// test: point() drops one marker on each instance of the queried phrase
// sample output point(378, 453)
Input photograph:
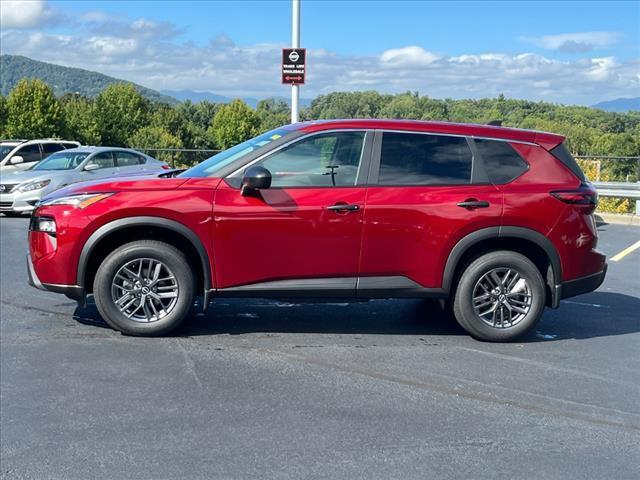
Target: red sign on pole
point(293, 65)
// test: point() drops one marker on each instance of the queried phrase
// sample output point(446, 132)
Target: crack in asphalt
point(465, 394)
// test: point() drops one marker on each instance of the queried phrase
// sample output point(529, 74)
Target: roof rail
point(495, 123)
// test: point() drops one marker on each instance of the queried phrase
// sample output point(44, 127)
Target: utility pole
point(295, 43)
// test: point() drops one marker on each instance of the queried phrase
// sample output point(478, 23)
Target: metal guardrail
point(620, 190)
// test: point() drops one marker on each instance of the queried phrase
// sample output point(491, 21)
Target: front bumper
point(74, 292)
point(19, 202)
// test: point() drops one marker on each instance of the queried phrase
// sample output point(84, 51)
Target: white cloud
point(21, 13)
point(576, 42)
point(152, 54)
point(408, 56)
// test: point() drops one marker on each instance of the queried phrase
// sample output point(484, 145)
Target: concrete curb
point(617, 218)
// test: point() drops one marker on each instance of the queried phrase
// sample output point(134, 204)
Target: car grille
point(6, 205)
point(7, 187)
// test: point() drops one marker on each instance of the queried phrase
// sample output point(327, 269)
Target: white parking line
point(586, 304)
point(625, 252)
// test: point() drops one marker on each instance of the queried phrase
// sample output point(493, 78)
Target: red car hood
point(119, 185)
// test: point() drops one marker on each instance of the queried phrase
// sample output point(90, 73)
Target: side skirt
point(342, 287)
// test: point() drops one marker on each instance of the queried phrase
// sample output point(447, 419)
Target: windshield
point(211, 165)
point(62, 161)
point(4, 149)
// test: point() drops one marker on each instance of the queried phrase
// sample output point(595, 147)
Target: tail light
point(585, 197)
point(166, 167)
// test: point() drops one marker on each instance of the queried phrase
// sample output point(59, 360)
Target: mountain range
point(89, 83)
point(199, 96)
point(86, 82)
point(619, 105)
point(63, 79)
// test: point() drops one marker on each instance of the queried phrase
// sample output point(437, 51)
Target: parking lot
point(382, 389)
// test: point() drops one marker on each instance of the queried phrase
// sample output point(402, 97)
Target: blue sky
point(372, 26)
point(568, 52)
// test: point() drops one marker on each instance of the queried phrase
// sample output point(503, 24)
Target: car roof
point(36, 140)
point(547, 140)
point(93, 149)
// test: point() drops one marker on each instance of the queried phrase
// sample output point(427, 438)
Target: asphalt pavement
point(271, 389)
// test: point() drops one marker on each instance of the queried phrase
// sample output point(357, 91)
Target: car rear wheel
point(500, 296)
point(144, 288)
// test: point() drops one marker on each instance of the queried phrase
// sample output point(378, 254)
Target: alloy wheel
point(502, 297)
point(144, 290)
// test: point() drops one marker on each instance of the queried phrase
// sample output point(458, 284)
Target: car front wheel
point(144, 288)
point(500, 296)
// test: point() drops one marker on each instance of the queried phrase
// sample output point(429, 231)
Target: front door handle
point(343, 207)
point(471, 203)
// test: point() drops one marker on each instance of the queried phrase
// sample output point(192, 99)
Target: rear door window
point(128, 159)
point(49, 148)
point(501, 162)
point(30, 153)
point(424, 159)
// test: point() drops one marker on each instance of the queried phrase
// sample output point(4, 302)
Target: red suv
point(496, 220)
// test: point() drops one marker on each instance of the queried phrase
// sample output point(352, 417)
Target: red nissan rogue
point(497, 221)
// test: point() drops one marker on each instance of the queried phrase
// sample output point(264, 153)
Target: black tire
point(171, 258)
point(463, 304)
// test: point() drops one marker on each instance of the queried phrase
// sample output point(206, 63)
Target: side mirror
point(255, 178)
point(89, 167)
point(16, 159)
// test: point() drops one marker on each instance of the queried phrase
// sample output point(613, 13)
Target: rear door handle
point(343, 207)
point(472, 203)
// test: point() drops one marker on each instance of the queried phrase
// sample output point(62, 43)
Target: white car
point(21, 191)
point(16, 155)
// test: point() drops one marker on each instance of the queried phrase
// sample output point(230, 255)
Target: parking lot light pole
point(295, 43)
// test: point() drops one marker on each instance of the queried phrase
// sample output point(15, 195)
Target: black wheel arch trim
point(473, 238)
point(121, 223)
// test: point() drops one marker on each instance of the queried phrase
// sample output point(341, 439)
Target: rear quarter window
point(501, 162)
point(562, 153)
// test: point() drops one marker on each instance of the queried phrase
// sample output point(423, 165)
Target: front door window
point(324, 160)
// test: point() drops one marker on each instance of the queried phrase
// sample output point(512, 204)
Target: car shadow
point(598, 314)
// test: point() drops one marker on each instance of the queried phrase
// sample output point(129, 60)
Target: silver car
point(20, 191)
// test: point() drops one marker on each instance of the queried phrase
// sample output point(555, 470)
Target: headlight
point(28, 187)
point(80, 201)
point(46, 224)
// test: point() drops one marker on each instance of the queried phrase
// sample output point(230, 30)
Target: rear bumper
point(581, 285)
point(75, 292)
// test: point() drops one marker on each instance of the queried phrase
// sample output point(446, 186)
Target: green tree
point(120, 112)
point(3, 115)
point(367, 104)
point(234, 123)
point(405, 106)
point(33, 111)
point(171, 119)
point(80, 119)
point(273, 113)
point(198, 117)
point(154, 137)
